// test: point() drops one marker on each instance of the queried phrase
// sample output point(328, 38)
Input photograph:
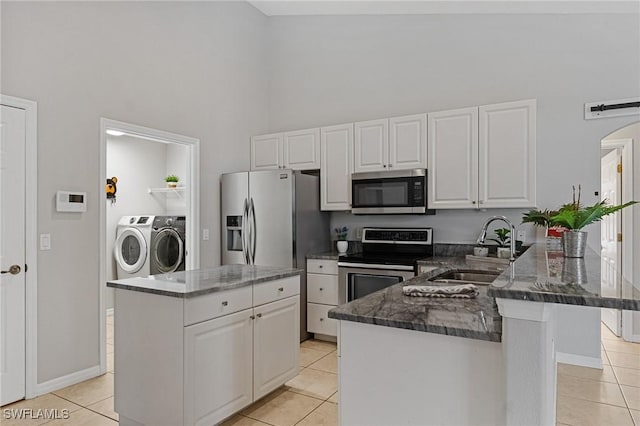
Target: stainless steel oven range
point(388, 256)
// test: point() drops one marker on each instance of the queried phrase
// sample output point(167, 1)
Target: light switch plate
point(205, 235)
point(45, 241)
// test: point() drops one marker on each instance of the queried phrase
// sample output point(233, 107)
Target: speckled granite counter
point(186, 284)
point(473, 318)
point(547, 276)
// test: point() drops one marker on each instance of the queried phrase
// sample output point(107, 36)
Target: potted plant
point(341, 236)
point(542, 219)
point(504, 241)
point(573, 217)
point(172, 181)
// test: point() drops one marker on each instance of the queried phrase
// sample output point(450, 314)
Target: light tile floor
point(586, 396)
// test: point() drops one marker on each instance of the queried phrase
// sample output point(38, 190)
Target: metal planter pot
point(574, 243)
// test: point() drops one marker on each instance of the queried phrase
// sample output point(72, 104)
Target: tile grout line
point(624, 397)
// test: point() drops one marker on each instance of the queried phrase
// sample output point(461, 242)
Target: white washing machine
point(131, 250)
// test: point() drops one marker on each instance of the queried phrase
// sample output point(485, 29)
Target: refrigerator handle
point(254, 231)
point(245, 230)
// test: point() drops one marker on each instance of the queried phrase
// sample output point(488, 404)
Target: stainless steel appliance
point(397, 192)
point(273, 218)
point(389, 256)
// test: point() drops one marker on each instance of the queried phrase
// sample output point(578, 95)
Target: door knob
point(13, 270)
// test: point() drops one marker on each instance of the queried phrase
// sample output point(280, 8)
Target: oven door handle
point(373, 266)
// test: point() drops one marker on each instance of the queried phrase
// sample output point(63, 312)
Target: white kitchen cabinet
point(296, 150)
point(371, 146)
point(507, 154)
point(266, 152)
point(453, 159)
point(276, 343)
point(322, 296)
point(218, 368)
point(408, 142)
point(336, 166)
point(391, 144)
point(483, 157)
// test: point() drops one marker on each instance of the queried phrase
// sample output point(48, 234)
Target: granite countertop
point(476, 318)
point(547, 276)
point(187, 284)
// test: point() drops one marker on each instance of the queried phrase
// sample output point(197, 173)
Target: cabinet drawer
point(318, 320)
point(322, 266)
point(322, 289)
point(275, 290)
point(214, 305)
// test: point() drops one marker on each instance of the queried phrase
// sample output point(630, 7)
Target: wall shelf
point(177, 191)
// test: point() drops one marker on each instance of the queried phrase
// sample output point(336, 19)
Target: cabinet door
point(453, 159)
point(408, 142)
point(276, 342)
point(218, 368)
point(336, 149)
point(266, 152)
point(372, 145)
point(507, 151)
point(301, 149)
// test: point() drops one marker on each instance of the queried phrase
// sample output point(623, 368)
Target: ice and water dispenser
point(234, 233)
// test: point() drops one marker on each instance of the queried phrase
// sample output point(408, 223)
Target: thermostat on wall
point(68, 201)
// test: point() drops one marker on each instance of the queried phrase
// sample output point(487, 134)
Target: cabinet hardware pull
point(321, 289)
point(320, 266)
point(473, 202)
point(384, 165)
point(225, 303)
point(259, 315)
point(281, 289)
point(321, 319)
point(252, 317)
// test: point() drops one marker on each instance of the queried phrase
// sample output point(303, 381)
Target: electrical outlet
point(521, 235)
point(45, 241)
point(205, 235)
point(358, 233)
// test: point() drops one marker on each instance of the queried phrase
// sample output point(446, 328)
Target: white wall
point(192, 68)
point(329, 70)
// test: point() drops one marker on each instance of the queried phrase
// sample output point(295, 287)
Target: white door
point(218, 368)
point(453, 159)
point(276, 343)
point(408, 142)
point(336, 150)
point(301, 149)
point(371, 145)
point(507, 155)
point(12, 254)
point(266, 152)
point(611, 225)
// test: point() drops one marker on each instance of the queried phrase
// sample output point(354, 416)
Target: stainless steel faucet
point(512, 234)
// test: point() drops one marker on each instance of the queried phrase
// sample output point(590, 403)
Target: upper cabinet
point(483, 157)
point(507, 154)
point(336, 167)
point(297, 150)
point(391, 144)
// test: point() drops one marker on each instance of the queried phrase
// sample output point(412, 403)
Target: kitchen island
point(195, 347)
point(407, 360)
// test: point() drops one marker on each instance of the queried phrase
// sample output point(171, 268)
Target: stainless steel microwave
point(392, 192)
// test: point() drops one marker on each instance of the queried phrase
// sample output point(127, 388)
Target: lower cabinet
point(239, 358)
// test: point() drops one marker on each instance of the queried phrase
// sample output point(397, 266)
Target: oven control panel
point(421, 236)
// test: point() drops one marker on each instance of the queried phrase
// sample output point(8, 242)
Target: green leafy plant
point(503, 239)
point(575, 216)
point(539, 217)
point(172, 178)
point(341, 233)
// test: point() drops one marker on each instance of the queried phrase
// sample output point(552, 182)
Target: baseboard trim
point(68, 380)
point(582, 361)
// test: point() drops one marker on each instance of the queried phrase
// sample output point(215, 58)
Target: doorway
point(619, 185)
point(135, 162)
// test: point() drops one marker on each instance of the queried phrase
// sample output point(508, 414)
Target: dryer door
point(130, 250)
point(167, 250)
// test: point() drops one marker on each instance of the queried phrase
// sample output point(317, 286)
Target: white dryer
point(131, 250)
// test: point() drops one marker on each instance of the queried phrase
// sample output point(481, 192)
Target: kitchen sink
point(466, 277)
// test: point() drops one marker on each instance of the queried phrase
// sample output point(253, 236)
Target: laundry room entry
point(140, 187)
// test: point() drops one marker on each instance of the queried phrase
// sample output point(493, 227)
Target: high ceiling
point(420, 7)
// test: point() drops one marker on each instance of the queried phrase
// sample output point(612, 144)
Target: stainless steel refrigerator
point(273, 218)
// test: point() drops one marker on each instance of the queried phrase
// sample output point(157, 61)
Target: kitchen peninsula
point(194, 347)
point(465, 361)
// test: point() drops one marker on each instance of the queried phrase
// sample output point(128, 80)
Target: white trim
point(192, 200)
point(628, 246)
point(68, 380)
point(31, 246)
point(110, 312)
point(582, 361)
point(525, 309)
